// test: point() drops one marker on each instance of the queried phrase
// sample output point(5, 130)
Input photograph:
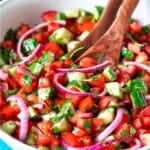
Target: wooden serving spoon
point(103, 24)
point(109, 45)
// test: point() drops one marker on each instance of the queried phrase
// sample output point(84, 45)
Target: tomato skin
point(86, 104)
point(45, 126)
point(8, 44)
point(99, 82)
point(87, 62)
point(49, 15)
point(96, 124)
point(137, 123)
point(71, 139)
point(22, 29)
point(2, 101)
point(146, 121)
point(109, 147)
point(124, 127)
point(79, 132)
point(54, 48)
point(86, 140)
point(135, 27)
point(43, 140)
point(105, 101)
point(32, 98)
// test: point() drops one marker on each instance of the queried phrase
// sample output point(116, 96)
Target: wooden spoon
point(103, 24)
point(109, 45)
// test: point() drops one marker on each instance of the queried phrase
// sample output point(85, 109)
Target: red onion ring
point(111, 127)
point(147, 97)
point(24, 117)
point(86, 70)
point(3, 75)
point(68, 91)
point(38, 49)
point(137, 64)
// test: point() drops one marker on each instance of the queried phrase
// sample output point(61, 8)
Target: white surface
point(14, 12)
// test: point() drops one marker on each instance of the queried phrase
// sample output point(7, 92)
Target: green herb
point(126, 53)
point(58, 148)
point(4, 56)
point(10, 92)
point(10, 34)
point(87, 125)
point(146, 28)
point(27, 80)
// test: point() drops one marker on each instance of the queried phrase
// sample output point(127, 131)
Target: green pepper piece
point(9, 127)
point(10, 92)
point(31, 137)
point(126, 53)
point(29, 45)
point(138, 99)
point(4, 56)
point(58, 148)
point(10, 34)
point(146, 28)
point(97, 12)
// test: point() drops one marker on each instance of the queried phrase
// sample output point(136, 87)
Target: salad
point(52, 103)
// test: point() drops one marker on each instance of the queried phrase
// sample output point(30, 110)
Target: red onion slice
point(24, 117)
point(111, 127)
point(68, 91)
point(137, 64)
point(25, 60)
point(86, 70)
point(85, 115)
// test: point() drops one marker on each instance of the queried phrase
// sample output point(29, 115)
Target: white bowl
point(14, 12)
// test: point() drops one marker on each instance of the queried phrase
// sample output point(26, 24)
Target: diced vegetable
point(83, 35)
point(9, 127)
point(33, 114)
point(126, 53)
point(60, 16)
point(27, 80)
point(46, 93)
point(49, 115)
point(114, 89)
point(72, 45)
point(72, 13)
point(109, 73)
point(4, 57)
point(32, 137)
point(43, 148)
point(146, 28)
point(61, 126)
point(10, 34)
point(10, 92)
point(61, 36)
point(77, 84)
point(97, 12)
point(58, 148)
point(138, 99)
point(78, 76)
point(35, 68)
point(107, 114)
point(47, 57)
point(137, 84)
point(29, 45)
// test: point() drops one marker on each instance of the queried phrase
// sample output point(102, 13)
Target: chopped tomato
point(52, 27)
point(109, 147)
point(86, 104)
point(86, 140)
point(96, 124)
point(122, 130)
point(79, 132)
point(44, 82)
point(2, 101)
point(22, 29)
point(146, 121)
point(137, 123)
point(45, 126)
point(41, 37)
point(99, 82)
point(71, 139)
point(49, 15)
point(86, 26)
point(135, 27)
point(32, 98)
point(104, 102)
point(55, 48)
point(44, 140)
point(12, 82)
point(87, 62)
point(9, 112)
point(8, 44)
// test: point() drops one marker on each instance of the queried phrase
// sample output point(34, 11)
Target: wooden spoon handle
point(123, 16)
point(103, 24)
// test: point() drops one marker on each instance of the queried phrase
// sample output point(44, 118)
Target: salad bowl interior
point(15, 12)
